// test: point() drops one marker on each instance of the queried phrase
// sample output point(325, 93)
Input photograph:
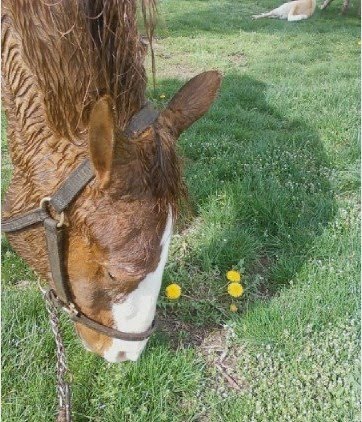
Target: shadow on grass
point(233, 16)
point(259, 187)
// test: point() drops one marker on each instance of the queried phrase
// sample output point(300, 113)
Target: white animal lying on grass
point(293, 11)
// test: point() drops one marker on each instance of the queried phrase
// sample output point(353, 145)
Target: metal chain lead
point(63, 388)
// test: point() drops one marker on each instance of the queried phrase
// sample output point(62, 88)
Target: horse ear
point(101, 139)
point(191, 102)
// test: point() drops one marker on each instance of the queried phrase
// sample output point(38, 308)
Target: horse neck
point(47, 84)
point(38, 155)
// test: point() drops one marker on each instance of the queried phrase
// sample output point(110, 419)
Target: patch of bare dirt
point(181, 334)
point(168, 66)
point(222, 359)
point(23, 284)
point(181, 71)
point(238, 59)
point(215, 345)
point(221, 354)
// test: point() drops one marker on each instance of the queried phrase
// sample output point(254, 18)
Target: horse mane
point(81, 50)
point(75, 51)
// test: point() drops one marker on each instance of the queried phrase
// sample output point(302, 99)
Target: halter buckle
point(44, 204)
point(70, 309)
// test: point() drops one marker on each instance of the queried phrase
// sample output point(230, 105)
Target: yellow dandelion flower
point(233, 276)
point(173, 291)
point(162, 96)
point(235, 289)
point(233, 308)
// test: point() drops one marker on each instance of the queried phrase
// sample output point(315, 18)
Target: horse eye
point(111, 276)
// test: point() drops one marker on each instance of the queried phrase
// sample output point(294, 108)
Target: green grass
point(274, 181)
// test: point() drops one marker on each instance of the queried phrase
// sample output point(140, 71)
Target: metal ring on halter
point(43, 204)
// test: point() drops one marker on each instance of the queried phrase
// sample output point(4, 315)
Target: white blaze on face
point(135, 314)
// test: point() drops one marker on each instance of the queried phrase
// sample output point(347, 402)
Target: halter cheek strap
point(54, 234)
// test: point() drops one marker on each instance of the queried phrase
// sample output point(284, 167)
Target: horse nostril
point(121, 357)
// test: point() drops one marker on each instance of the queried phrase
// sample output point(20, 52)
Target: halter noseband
point(54, 234)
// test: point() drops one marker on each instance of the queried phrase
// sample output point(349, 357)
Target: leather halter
point(54, 233)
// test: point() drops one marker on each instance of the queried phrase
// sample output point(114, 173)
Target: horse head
point(119, 228)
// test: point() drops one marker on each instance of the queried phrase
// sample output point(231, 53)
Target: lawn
point(273, 181)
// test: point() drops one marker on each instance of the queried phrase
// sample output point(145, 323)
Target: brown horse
point(73, 85)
